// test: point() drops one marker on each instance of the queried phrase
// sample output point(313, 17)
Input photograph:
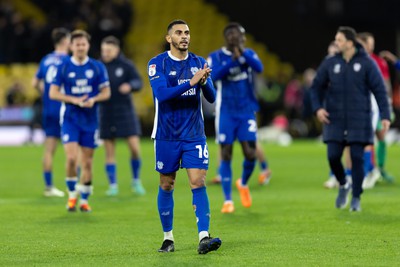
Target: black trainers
point(208, 244)
point(167, 246)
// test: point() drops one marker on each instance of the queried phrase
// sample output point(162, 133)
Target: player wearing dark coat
point(118, 117)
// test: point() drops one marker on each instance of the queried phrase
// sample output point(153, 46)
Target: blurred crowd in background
point(21, 41)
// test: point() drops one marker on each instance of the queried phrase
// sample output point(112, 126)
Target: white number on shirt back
point(202, 152)
point(51, 73)
point(252, 126)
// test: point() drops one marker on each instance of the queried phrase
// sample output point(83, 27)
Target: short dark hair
point(58, 34)
point(80, 33)
point(235, 25)
point(175, 22)
point(363, 36)
point(349, 33)
point(111, 40)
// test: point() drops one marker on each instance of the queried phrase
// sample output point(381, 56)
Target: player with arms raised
point(178, 78)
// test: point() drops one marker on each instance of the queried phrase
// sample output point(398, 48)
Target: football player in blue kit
point(234, 67)
point(178, 78)
point(51, 109)
point(85, 82)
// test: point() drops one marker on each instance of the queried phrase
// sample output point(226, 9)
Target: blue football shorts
point(51, 126)
point(71, 132)
point(232, 126)
point(172, 155)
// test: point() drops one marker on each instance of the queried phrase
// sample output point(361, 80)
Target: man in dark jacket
point(118, 118)
point(341, 99)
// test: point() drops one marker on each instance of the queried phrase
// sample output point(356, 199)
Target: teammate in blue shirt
point(234, 67)
point(51, 109)
point(85, 82)
point(118, 118)
point(178, 78)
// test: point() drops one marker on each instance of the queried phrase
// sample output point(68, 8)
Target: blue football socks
point(165, 203)
point(248, 167)
point(135, 167)
point(263, 165)
point(226, 178)
point(111, 170)
point(48, 178)
point(201, 208)
point(367, 162)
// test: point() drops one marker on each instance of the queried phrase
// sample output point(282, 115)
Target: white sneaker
point(331, 182)
point(371, 179)
point(53, 192)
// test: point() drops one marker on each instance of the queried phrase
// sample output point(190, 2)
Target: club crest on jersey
point(89, 74)
point(71, 75)
point(336, 68)
point(152, 70)
point(357, 67)
point(119, 72)
point(194, 70)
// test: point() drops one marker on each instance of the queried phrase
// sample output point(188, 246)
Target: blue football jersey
point(46, 72)
point(234, 80)
point(87, 78)
point(178, 111)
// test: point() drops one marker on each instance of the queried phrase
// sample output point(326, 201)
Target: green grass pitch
point(292, 222)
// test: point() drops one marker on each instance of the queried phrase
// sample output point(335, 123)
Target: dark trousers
point(335, 151)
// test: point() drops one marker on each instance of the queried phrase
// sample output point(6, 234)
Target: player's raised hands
point(198, 76)
point(206, 75)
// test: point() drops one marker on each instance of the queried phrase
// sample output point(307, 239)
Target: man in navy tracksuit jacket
point(118, 118)
point(341, 99)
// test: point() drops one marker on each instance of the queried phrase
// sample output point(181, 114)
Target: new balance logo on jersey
point(172, 73)
point(205, 161)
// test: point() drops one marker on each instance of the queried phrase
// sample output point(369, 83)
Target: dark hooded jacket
point(344, 90)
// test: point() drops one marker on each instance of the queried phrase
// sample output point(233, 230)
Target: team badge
point(152, 69)
point(89, 74)
point(71, 75)
point(336, 68)
point(65, 137)
point(160, 164)
point(222, 137)
point(119, 72)
point(357, 67)
point(194, 70)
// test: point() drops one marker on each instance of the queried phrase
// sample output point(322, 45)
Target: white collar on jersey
point(175, 58)
point(226, 51)
point(79, 63)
